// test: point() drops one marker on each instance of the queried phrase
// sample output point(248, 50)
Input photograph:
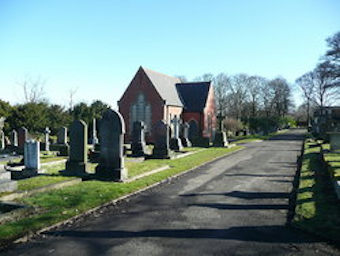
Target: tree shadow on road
point(244, 195)
point(265, 234)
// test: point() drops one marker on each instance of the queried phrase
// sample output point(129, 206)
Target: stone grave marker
point(175, 142)
point(220, 139)
point(111, 132)
point(62, 136)
point(334, 139)
point(185, 135)
point(47, 139)
point(76, 164)
point(14, 138)
point(138, 139)
point(6, 184)
point(94, 138)
point(2, 140)
point(161, 148)
point(22, 137)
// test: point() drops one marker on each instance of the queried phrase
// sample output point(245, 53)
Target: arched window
point(140, 111)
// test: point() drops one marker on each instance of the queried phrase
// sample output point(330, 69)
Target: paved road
point(235, 206)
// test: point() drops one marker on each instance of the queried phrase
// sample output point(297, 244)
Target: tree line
point(38, 114)
point(321, 86)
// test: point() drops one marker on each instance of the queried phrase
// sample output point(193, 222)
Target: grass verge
point(317, 208)
point(59, 205)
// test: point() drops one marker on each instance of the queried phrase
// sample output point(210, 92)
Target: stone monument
point(14, 138)
point(31, 160)
point(2, 134)
point(76, 164)
point(2, 140)
point(220, 139)
point(47, 139)
point(6, 184)
point(111, 132)
point(185, 135)
point(22, 137)
point(138, 139)
point(334, 139)
point(63, 146)
point(62, 136)
point(175, 141)
point(161, 148)
point(94, 138)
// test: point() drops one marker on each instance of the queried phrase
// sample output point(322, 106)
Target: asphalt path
point(237, 205)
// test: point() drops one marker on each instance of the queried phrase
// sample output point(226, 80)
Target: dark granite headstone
point(111, 132)
point(62, 136)
point(138, 139)
point(77, 163)
point(22, 137)
point(185, 135)
point(161, 148)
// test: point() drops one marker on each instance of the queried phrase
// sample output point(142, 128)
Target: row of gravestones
point(111, 132)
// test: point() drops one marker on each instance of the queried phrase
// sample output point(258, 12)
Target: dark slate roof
point(165, 85)
point(193, 95)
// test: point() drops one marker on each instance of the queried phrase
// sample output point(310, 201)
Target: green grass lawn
point(61, 204)
point(317, 208)
point(333, 160)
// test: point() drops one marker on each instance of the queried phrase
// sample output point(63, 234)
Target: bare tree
point(238, 94)
point(324, 94)
point(254, 89)
point(221, 85)
point(72, 92)
point(182, 78)
point(205, 77)
point(307, 86)
point(34, 91)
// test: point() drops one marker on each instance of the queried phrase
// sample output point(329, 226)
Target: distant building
point(152, 96)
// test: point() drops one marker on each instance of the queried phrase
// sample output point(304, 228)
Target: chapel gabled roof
point(165, 86)
point(193, 95)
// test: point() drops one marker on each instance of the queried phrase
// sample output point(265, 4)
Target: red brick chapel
point(152, 96)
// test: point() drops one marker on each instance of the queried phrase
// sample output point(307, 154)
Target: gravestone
point(175, 141)
point(31, 160)
point(47, 139)
point(193, 130)
point(220, 139)
point(161, 148)
point(63, 146)
point(6, 184)
point(14, 138)
point(22, 137)
point(111, 132)
point(2, 134)
point(334, 139)
point(94, 138)
point(2, 140)
point(76, 164)
point(185, 135)
point(62, 136)
point(138, 139)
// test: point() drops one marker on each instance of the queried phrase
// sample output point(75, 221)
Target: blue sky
point(97, 46)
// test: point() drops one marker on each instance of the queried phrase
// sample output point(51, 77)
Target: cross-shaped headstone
point(47, 132)
point(176, 122)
